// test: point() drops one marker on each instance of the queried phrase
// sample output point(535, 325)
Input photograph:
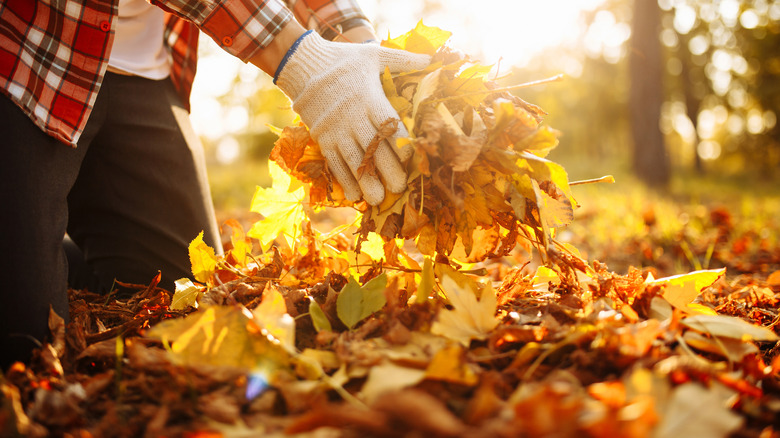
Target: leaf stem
point(604, 179)
point(556, 78)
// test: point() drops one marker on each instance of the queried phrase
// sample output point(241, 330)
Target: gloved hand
point(337, 91)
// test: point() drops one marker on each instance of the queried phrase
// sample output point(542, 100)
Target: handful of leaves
point(478, 181)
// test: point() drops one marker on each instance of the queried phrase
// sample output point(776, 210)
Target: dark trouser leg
point(142, 194)
point(36, 174)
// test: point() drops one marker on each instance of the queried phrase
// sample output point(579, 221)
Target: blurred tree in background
point(721, 95)
point(645, 65)
point(723, 69)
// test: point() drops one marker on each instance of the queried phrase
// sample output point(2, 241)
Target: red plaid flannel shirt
point(53, 55)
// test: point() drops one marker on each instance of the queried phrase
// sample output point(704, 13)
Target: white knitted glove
point(337, 91)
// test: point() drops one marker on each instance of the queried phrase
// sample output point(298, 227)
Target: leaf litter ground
point(456, 312)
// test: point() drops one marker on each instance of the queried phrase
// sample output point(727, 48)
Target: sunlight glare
point(511, 30)
point(708, 150)
point(228, 150)
point(502, 33)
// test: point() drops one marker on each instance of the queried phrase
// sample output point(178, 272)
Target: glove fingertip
point(405, 152)
point(374, 198)
point(401, 60)
point(352, 193)
point(397, 186)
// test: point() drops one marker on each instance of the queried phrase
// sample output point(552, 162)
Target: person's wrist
point(270, 57)
point(289, 54)
point(311, 58)
point(358, 34)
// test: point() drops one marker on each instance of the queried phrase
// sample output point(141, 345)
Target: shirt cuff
point(331, 33)
point(243, 31)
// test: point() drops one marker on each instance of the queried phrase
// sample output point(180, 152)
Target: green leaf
point(356, 303)
point(318, 317)
point(186, 294)
point(426, 281)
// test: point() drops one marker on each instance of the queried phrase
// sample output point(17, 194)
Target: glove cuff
point(307, 57)
point(289, 53)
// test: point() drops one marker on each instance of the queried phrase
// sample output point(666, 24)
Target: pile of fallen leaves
point(295, 331)
point(538, 355)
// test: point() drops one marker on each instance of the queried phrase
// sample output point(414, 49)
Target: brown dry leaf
point(13, 420)
point(389, 377)
point(732, 349)
point(290, 146)
point(729, 327)
point(57, 330)
point(220, 406)
point(407, 406)
point(694, 410)
point(343, 416)
point(549, 409)
point(774, 279)
point(385, 132)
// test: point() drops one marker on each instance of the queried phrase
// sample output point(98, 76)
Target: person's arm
point(335, 87)
point(269, 58)
point(360, 34)
point(333, 19)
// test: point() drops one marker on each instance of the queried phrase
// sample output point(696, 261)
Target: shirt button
point(227, 41)
point(105, 26)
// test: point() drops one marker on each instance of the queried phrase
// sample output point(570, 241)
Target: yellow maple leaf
point(470, 318)
point(221, 335)
point(471, 82)
point(421, 39)
point(282, 208)
point(272, 315)
point(681, 290)
point(186, 294)
point(242, 246)
point(203, 259)
point(449, 365)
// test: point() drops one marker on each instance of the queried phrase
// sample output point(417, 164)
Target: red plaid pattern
point(53, 55)
point(324, 15)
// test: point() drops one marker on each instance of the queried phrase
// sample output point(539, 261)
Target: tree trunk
point(651, 161)
point(689, 79)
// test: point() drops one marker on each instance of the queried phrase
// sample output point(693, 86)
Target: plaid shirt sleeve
point(52, 58)
point(240, 27)
point(243, 27)
point(53, 54)
point(328, 17)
